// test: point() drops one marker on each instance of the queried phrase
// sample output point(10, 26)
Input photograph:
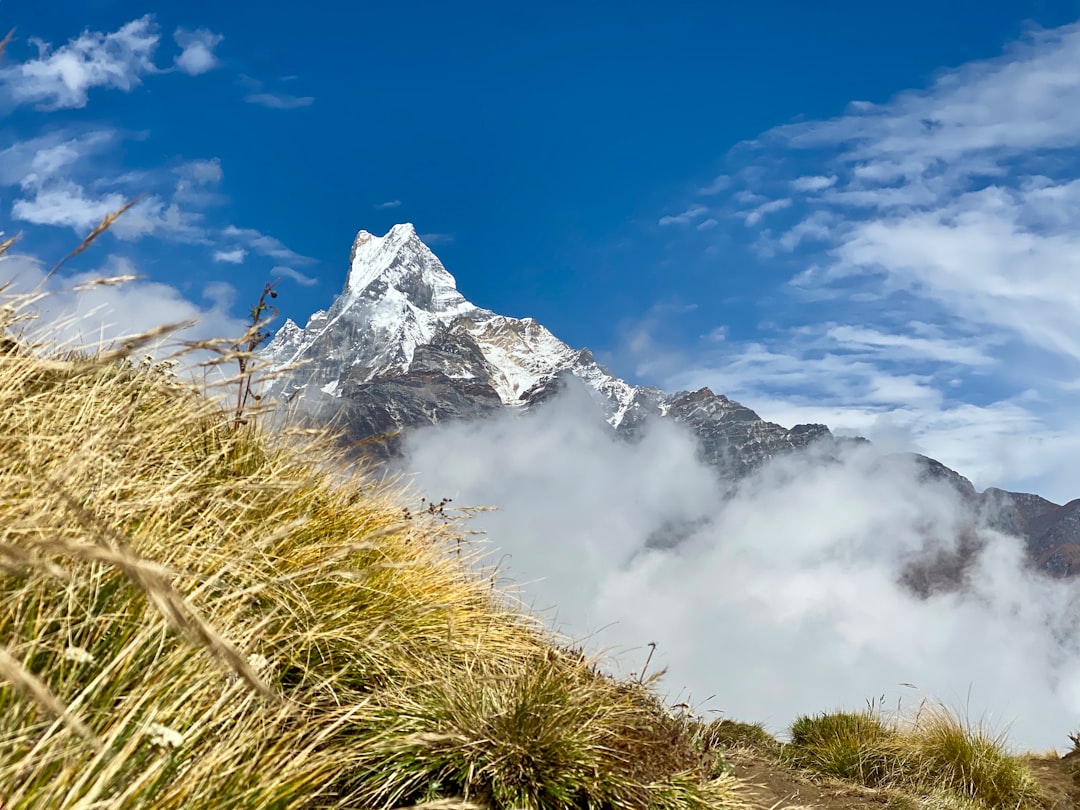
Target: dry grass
point(198, 616)
point(935, 761)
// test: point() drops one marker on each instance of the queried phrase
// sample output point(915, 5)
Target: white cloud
point(33, 162)
point(63, 184)
point(903, 388)
point(760, 212)
point(197, 186)
point(69, 205)
point(62, 77)
point(294, 275)
point(202, 172)
point(77, 312)
point(234, 256)
point(814, 182)
point(990, 256)
point(814, 227)
point(799, 571)
point(895, 346)
point(279, 101)
point(197, 54)
point(689, 215)
point(389, 204)
point(266, 245)
point(717, 185)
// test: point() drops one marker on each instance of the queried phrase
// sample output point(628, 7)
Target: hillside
point(196, 616)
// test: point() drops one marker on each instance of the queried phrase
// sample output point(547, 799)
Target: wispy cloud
point(201, 172)
point(66, 205)
point(62, 77)
point(1024, 101)
point(433, 239)
point(197, 50)
point(389, 204)
point(717, 185)
point(265, 245)
point(689, 215)
point(294, 275)
point(198, 184)
point(936, 237)
point(755, 216)
point(815, 182)
point(234, 256)
point(62, 183)
point(33, 162)
point(279, 101)
point(70, 205)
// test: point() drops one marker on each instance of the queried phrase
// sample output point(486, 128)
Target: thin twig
point(255, 337)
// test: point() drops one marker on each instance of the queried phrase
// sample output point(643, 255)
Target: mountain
point(401, 347)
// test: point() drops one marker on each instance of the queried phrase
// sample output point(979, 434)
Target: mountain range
point(400, 348)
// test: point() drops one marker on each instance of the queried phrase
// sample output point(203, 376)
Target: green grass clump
point(197, 615)
point(541, 736)
point(854, 746)
point(938, 759)
point(969, 761)
point(737, 734)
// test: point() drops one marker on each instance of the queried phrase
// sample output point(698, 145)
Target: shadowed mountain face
point(401, 348)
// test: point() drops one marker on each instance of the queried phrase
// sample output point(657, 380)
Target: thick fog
point(785, 597)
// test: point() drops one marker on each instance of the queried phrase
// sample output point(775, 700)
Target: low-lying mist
point(784, 598)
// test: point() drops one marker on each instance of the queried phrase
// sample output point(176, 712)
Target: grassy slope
point(197, 617)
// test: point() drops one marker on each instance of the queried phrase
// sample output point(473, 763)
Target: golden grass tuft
point(195, 615)
point(937, 760)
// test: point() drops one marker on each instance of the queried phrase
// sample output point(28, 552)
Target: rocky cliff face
point(401, 347)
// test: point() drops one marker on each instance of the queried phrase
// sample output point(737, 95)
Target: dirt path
point(771, 786)
point(1060, 780)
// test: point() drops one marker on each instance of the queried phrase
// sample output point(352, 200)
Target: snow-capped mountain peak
point(397, 298)
point(400, 260)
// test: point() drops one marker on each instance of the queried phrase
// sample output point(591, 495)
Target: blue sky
point(863, 214)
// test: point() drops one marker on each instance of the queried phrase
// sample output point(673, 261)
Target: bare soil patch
point(770, 785)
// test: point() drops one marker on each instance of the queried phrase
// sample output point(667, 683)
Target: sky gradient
point(862, 214)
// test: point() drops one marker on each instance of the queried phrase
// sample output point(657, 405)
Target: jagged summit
point(397, 296)
point(400, 261)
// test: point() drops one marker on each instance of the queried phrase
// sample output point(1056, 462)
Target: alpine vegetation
point(197, 614)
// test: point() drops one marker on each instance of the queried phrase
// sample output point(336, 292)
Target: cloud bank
point(781, 600)
point(76, 310)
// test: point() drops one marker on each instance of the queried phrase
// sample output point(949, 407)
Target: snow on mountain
point(397, 297)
